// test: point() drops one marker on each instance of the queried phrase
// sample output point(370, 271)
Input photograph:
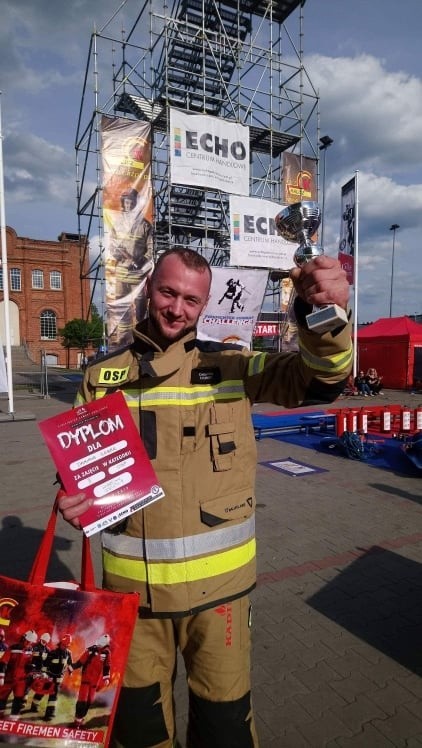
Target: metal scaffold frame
point(234, 60)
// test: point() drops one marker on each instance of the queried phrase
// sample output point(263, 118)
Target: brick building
point(45, 292)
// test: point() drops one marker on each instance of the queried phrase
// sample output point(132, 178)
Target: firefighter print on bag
point(59, 670)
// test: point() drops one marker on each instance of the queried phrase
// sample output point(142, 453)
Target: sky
point(363, 58)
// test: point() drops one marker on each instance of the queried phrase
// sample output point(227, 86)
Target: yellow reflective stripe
point(182, 396)
point(256, 364)
point(335, 363)
point(185, 571)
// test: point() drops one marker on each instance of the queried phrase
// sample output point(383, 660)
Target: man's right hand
point(72, 507)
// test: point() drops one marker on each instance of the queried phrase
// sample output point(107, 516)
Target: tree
point(80, 333)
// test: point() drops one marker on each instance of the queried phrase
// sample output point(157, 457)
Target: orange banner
point(128, 217)
point(299, 178)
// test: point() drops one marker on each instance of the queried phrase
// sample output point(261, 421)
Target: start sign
point(266, 329)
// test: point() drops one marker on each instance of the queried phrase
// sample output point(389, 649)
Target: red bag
point(63, 652)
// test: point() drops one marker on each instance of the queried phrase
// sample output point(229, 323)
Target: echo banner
point(235, 302)
point(254, 240)
point(127, 217)
point(347, 229)
point(299, 178)
point(209, 152)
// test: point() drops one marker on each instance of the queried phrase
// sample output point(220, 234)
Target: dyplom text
point(88, 432)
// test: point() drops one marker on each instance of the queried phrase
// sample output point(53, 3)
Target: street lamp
point(325, 143)
point(393, 228)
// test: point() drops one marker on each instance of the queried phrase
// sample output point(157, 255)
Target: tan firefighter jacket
point(195, 548)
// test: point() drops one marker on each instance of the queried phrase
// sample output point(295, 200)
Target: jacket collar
point(153, 361)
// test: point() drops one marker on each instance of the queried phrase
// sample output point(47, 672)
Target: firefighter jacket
point(195, 547)
point(96, 665)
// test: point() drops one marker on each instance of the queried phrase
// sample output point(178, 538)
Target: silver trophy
point(298, 222)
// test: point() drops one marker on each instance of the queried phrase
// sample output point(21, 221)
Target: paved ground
point(337, 653)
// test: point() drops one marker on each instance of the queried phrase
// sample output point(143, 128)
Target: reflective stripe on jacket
point(196, 546)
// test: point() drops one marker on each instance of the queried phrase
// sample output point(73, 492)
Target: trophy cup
point(298, 222)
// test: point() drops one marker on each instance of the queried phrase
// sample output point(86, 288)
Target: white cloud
point(373, 115)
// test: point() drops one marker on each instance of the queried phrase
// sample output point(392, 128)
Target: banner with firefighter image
point(299, 178)
point(235, 301)
point(128, 220)
point(62, 655)
point(346, 249)
point(288, 329)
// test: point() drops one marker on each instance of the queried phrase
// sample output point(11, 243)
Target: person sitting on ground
point(374, 381)
point(361, 384)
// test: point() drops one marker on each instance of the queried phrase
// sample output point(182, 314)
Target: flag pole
point(5, 275)
point(356, 280)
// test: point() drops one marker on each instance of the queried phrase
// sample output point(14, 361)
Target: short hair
point(189, 257)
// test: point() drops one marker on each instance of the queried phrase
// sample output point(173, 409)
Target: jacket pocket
point(237, 505)
point(221, 431)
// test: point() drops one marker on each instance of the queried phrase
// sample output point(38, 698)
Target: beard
point(160, 337)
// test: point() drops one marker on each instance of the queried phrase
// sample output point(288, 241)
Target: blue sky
point(364, 59)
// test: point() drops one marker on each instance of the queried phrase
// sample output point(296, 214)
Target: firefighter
point(38, 680)
point(57, 665)
point(96, 666)
point(130, 249)
point(15, 668)
point(191, 555)
point(3, 643)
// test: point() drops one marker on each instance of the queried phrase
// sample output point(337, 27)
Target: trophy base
point(326, 318)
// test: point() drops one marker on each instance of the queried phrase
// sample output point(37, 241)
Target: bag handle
point(39, 568)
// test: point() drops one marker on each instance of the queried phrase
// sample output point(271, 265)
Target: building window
point(37, 279)
point(15, 279)
point(48, 323)
point(56, 280)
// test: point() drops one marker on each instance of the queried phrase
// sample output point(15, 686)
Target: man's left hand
point(321, 281)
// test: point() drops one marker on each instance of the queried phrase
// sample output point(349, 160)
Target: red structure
point(393, 346)
point(45, 292)
point(383, 419)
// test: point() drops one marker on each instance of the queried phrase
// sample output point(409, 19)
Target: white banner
point(254, 241)
point(209, 152)
point(235, 302)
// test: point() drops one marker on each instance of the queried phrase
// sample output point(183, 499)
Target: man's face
point(177, 296)
point(127, 204)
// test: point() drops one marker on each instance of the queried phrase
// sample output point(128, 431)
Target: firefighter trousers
point(215, 645)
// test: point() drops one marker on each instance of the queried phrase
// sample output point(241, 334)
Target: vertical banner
point(346, 253)
point(254, 239)
point(288, 329)
point(235, 302)
point(286, 291)
point(128, 217)
point(209, 152)
point(299, 178)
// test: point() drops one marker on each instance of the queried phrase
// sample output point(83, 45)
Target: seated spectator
point(350, 388)
point(361, 384)
point(374, 380)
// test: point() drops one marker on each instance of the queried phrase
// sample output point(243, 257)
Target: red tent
point(393, 346)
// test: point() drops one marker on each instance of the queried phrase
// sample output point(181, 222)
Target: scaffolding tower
point(234, 59)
